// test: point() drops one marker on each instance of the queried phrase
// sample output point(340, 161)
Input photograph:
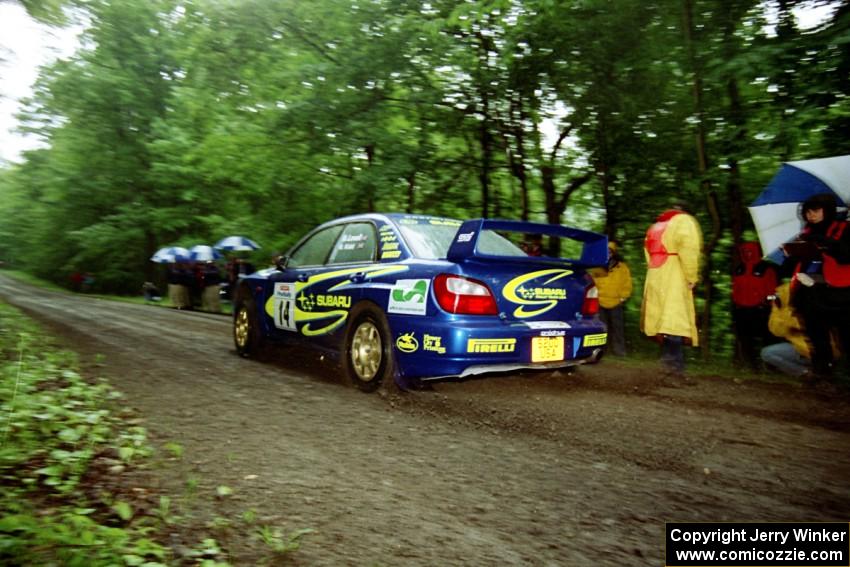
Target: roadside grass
point(56, 430)
point(62, 454)
point(30, 279)
point(644, 354)
point(73, 466)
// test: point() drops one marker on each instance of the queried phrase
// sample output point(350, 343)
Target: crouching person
point(792, 357)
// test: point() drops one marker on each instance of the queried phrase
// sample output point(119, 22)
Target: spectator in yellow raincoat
point(794, 356)
point(672, 248)
point(615, 287)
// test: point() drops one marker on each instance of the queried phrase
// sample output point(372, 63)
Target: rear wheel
point(368, 360)
point(247, 335)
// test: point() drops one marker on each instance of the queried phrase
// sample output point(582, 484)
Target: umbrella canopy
point(204, 253)
point(774, 212)
point(236, 244)
point(170, 254)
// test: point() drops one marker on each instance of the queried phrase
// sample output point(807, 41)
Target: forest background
point(178, 122)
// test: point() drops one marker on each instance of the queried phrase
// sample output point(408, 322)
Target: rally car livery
point(413, 298)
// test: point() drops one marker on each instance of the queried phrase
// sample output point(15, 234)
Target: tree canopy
point(182, 121)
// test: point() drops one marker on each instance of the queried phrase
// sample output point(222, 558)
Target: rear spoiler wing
point(594, 244)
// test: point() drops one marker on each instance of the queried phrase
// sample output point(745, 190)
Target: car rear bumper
point(430, 349)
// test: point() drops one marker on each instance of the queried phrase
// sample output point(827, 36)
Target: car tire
point(367, 351)
point(247, 335)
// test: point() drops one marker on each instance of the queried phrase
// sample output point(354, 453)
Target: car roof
point(393, 217)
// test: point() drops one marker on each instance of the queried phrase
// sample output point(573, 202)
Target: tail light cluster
point(468, 296)
point(464, 296)
point(590, 305)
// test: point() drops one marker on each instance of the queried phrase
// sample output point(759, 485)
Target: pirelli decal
point(595, 340)
point(491, 345)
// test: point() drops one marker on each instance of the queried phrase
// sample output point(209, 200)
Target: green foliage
point(55, 425)
point(176, 449)
point(58, 443)
point(47, 11)
point(281, 543)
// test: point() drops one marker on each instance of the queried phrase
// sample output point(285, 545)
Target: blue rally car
point(412, 298)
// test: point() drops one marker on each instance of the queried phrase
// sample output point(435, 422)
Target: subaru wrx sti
point(413, 298)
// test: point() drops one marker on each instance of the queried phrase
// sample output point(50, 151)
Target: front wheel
point(247, 335)
point(368, 360)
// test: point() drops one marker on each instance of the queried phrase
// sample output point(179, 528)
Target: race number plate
point(547, 349)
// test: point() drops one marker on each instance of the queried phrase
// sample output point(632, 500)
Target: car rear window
point(428, 241)
point(431, 241)
point(491, 242)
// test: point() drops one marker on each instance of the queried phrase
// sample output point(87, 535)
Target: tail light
point(590, 305)
point(464, 296)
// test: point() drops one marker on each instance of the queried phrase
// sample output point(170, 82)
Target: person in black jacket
point(821, 282)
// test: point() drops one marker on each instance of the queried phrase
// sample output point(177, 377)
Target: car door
point(314, 300)
point(307, 258)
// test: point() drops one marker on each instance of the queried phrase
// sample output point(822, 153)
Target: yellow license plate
point(547, 349)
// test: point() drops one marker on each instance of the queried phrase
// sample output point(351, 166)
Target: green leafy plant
point(280, 543)
point(59, 439)
point(176, 449)
point(124, 510)
point(249, 516)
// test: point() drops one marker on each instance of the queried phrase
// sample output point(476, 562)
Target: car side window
point(491, 242)
point(356, 244)
point(314, 251)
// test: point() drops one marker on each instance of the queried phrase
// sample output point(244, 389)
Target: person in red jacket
point(753, 280)
point(821, 283)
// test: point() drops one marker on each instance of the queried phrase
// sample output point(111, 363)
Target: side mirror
point(280, 262)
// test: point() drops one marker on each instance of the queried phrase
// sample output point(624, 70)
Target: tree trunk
point(514, 142)
point(733, 185)
point(516, 160)
point(150, 249)
point(604, 175)
point(786, 34)
point(705, 184)
point(411, 193)
point(370, 188)
point(547, 174)
point(486, 141)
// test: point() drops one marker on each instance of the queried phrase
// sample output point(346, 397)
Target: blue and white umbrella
point(170, 255)
point(236, 244)
point(774, 212)
point(204, 253)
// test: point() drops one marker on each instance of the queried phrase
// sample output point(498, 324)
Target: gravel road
point(529, 469)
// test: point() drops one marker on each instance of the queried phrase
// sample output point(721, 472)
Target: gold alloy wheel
point(366, 351)
point(241, 328)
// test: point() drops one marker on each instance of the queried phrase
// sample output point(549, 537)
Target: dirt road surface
point(534, 469)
